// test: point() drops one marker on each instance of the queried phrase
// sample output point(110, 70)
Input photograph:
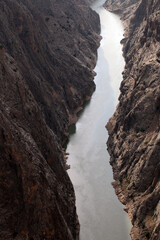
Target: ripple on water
point(100, 213)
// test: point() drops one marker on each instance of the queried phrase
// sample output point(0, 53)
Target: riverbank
point(134, 128)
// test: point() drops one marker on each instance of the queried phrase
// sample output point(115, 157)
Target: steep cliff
point(134, 129)
point(47, 55)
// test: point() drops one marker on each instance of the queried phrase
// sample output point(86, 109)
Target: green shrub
point(47, 19)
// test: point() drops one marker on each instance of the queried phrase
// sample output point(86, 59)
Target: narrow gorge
point(48, 54)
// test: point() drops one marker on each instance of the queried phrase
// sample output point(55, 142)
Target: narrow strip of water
point(100, 213)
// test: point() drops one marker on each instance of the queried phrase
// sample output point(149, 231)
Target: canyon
point(134, 138)
point(48, 51)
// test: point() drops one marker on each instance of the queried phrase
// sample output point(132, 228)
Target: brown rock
point(134, 139)
point(47, 55)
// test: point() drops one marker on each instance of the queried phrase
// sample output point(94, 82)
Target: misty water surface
point(100, 213)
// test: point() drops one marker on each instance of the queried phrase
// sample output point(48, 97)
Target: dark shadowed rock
point(47, 55)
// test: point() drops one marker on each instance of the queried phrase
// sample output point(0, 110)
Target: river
point(100, 213)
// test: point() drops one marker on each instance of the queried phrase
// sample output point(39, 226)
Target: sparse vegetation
point(143, 225)
point(15, 69)
point(148, 235)
point(1, 46)
point(47, 19)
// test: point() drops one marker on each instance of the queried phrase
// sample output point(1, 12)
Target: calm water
point(100, 213)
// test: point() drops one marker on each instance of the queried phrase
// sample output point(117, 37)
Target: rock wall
point(134, 129)
point(89, 1)
point(47, 55)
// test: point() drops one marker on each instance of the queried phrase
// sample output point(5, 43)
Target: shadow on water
point(72, 127)
point(79, 114)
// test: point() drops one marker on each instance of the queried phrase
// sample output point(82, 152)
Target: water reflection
point(100, 213)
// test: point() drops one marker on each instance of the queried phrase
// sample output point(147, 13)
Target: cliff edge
point(47, 55)
point(134, 129)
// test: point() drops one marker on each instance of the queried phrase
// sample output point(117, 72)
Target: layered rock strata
point(134, 129)
point(47, 55)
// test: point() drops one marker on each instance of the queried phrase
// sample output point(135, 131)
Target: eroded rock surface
point(47, 55)
point(134, 129)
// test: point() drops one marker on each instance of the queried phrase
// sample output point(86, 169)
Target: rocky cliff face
point(89, 1)
point(47, 55)
point(134, 129)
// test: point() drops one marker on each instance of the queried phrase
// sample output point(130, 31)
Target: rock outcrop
point(89, 2)
point(47, 55)
point(134, 129)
